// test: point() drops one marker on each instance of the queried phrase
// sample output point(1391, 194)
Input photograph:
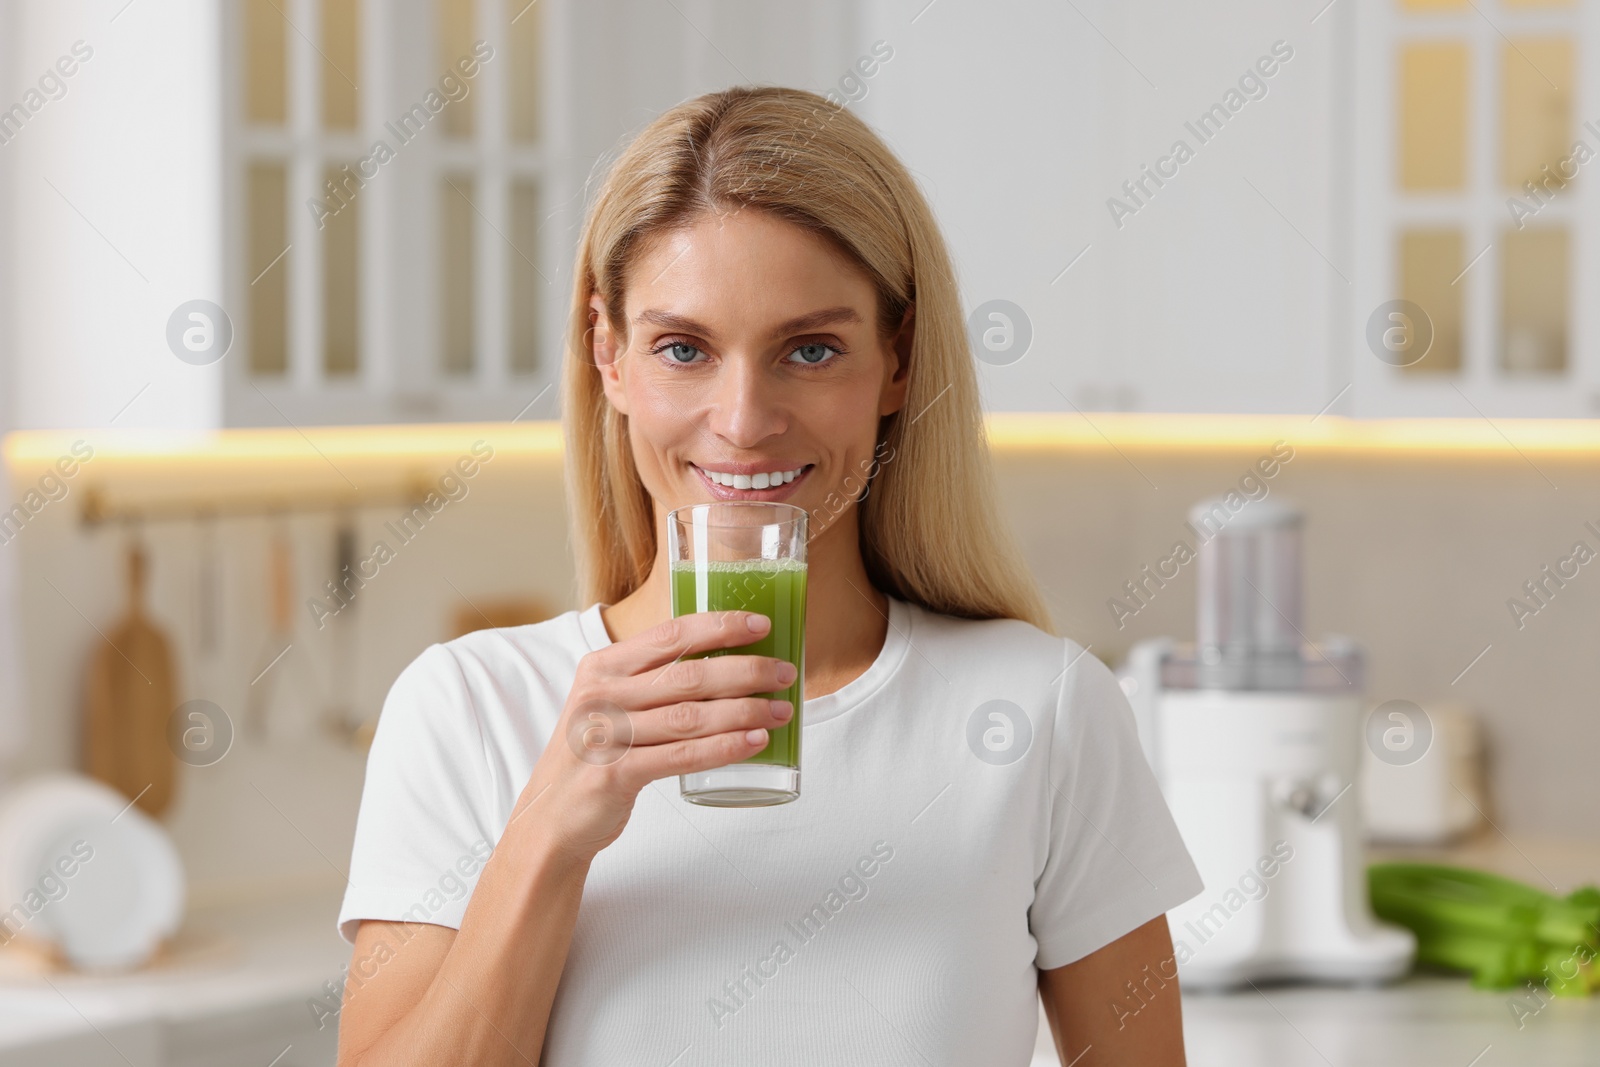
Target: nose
point(748, 404)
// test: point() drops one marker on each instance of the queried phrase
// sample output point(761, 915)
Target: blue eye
point(682, 353)
point(673, 348)
point(814, 354)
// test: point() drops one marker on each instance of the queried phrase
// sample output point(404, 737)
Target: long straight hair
point(929, 525)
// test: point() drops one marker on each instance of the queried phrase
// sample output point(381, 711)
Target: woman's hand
point(639, 711)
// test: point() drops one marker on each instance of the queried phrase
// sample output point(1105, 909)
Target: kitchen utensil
point(339, 716)
point(208, 590)
point(128, 700)
point(13, 719)
point(91, 876)
point(1253, 736)
point(206, 668)
point(268, 676)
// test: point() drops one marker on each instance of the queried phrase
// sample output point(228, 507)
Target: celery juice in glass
point(747, 556)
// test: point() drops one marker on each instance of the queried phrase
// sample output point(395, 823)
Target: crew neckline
point(896, 643)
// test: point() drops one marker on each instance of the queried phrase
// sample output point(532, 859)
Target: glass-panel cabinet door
point(1474, 219)
point(390, 163)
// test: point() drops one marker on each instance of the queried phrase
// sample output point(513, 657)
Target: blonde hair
point(930, 527)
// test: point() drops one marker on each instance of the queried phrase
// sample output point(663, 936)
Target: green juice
point(774, 588)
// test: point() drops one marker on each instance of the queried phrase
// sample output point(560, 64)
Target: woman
point(761, 289)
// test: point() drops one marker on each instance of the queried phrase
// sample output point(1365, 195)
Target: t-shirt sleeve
point(422, 832)
point(1115, 859)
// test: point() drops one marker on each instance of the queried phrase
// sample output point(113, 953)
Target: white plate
point(81, 868)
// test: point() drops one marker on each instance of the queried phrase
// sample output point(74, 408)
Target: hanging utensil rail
point(97, 509)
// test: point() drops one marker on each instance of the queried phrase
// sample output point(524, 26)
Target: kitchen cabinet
point(428, 280)
point(1469, 134)
point(1239, 274)
point(1204, 278)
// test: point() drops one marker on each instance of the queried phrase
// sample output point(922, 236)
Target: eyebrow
point(815, 320)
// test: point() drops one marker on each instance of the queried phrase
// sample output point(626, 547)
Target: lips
point(778, 492)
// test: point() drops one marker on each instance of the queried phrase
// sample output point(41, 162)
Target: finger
point(710, 678)
point(645, 763)
point(700, 718)
point(670, 641)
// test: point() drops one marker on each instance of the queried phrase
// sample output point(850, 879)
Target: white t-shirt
point(973, 808)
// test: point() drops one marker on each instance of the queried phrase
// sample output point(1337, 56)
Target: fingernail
point(786, 672)
point(781, 708)
point(758, 623)
point(756, 737)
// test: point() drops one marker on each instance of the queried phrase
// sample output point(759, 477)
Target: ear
point(897, 375)
point(606, 354)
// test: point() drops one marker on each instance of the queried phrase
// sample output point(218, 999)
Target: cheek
point(848, 417)
point(844, 429)
point(657, 429)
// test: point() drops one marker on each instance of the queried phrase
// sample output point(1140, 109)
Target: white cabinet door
point(1446, 105)
point(1151, 183)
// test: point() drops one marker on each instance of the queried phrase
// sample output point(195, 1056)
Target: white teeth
point(753, 481)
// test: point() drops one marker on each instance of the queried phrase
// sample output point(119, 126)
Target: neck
point(847, 620)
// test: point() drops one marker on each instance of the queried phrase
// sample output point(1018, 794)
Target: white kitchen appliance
point(1429, 789)
point(1253, 734)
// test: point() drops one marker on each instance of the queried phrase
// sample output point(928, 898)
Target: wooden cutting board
point(127, 703)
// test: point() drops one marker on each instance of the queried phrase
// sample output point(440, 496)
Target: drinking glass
point(746, 555)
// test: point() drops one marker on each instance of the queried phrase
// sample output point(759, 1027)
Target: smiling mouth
point(753, 486)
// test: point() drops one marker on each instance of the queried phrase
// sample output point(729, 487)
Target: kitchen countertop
point(1418, 1021)
point(233, 959)
point(1422, 1020)
point(225, 961)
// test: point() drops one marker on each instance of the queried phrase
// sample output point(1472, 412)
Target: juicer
point(1252, 732)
